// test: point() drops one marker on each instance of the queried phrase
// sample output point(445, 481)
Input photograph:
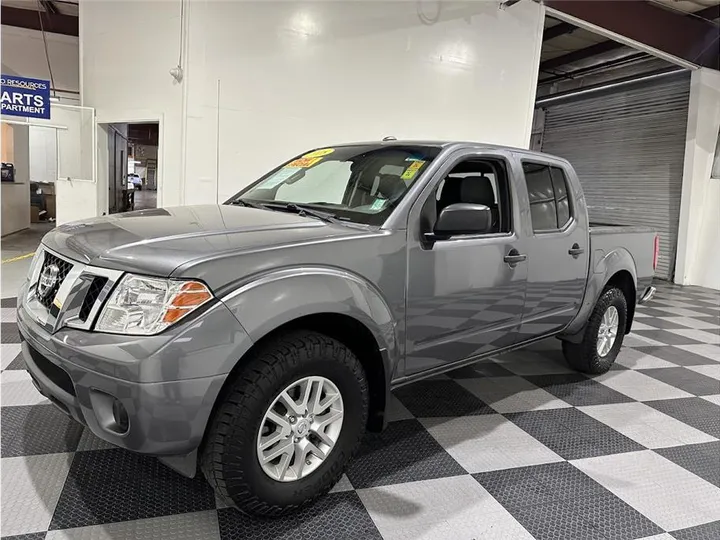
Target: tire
point(584, 356)
point(229, 456)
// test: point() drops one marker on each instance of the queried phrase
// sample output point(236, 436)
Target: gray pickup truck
point(257, 340)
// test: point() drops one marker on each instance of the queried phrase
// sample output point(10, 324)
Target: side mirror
point(462, 218)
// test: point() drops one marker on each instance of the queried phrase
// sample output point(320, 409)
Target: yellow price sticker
point(412, 170)
point(319, 153)
point(303, 163)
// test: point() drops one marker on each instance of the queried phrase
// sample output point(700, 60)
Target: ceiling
point(569, 51)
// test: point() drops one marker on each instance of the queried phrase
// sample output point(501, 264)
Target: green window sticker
point(378, 204)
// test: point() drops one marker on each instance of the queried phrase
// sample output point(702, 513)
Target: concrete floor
point(16, 256)
point(145, 199)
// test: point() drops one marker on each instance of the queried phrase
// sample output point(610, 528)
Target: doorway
point(132, 166)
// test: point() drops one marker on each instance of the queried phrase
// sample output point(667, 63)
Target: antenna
point(389, 138)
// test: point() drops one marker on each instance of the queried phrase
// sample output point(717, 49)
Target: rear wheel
point(288, 425)
point(603, 337)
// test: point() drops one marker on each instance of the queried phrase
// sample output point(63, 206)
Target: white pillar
point(698, 249)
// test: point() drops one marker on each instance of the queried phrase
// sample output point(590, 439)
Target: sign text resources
point(25, 97)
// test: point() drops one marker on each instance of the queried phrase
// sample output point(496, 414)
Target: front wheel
point(603, 337)
point(288, 425)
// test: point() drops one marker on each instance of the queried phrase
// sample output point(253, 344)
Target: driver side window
point(480, 181)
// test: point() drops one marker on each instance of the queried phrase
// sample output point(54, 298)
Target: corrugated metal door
point(628, 148)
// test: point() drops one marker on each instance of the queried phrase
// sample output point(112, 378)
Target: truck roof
point(446, 144)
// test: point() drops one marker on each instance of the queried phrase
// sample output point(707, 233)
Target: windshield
point(359, 183)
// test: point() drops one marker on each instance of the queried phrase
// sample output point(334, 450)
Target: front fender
point(604, 267)
point(266, 302)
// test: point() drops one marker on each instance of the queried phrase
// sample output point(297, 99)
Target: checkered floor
point(513, 448)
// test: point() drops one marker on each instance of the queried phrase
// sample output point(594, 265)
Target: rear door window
point(548, 193)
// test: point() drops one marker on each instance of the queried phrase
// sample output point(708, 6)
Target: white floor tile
point(512, 394)
point(642, 326)
point(31, 487)
point(703, 349)
point(634, 340)
point(488, 442)
point(8, 352)
point(682, 312)
point(698, 324)
point(709, 371)
point(190, 526)
point(447, 508)
point(8, 315)
point(645, 425)
point(669, 495)
point(712, 399)
point(342, 485)
point(711, 338)
point(637, 359)
point(17, 388)
point(640, 386)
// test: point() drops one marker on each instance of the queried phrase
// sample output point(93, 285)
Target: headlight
point(146, 306)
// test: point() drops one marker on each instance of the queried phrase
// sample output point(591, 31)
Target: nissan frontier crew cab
point(257, 340)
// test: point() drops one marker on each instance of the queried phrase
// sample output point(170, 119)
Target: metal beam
point(558, 30)
point(711, 13)
point(569, 75)
point(29, 18)
point(684, 36)
point(49, 6)
point(580, 54)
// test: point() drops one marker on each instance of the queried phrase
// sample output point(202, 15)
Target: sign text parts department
point(25, 97)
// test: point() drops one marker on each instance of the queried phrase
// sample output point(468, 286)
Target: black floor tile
point(695, 412)
point(701, 459)
point(557, 500)
point(338, 515)
point(37, 429)
point(578, 390)
point(707, 531)
point(107, 486)
point(666, 338)
point(676, 355)
point(440, 398)
point(404, 452)
point(686, 379)
point(10, 333)
point(573, 434)
point(30, 536)
point(8, 302)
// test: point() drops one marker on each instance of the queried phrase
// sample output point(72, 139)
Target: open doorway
point(132, 166)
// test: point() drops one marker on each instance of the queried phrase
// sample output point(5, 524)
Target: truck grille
point(93, 293)
point(64, 269)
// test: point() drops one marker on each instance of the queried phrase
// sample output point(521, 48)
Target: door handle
point(576, 251)
point(513, 258)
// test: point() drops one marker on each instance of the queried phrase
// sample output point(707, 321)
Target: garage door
point(628, 148)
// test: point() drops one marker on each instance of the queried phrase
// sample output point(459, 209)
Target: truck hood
point(156, 242)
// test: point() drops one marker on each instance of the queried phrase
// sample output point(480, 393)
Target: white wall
point(294, 75)
point(23, 54)
point(698, 252)
point(126, 51)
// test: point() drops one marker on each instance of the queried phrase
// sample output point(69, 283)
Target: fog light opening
point(120, 416)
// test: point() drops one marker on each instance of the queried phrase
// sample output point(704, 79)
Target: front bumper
point(114, 384)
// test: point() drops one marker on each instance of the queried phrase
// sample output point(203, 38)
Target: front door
point(463, 298)
point(558, 252)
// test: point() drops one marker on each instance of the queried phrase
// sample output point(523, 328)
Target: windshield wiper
point(304, 211)
point(249, 204)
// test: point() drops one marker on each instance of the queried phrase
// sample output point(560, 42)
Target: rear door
point(558, 250)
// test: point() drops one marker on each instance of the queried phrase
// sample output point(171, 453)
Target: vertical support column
point(698, 249)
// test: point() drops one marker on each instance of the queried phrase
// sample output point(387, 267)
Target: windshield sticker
point(412, 170)
point(304, 162)
point(319, 153)
point(378, 204)
point(279, 177)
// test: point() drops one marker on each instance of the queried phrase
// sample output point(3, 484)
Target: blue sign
point(25, 97)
